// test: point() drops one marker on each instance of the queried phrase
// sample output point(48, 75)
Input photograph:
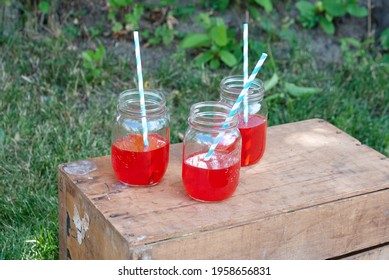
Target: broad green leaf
point(219, 35)
point(305, 8)
point(117, 26)
point(319, 7)
point(254, 12)
point(154, 41)
point(297, 91)
point(266, 4)
point(384, 39)
point(215, 63)
point(269, 84)
point(204, 20)
point(351, 41)
point(308, 17)
point(335, 7)
point(44, 7)
point(204, 58)
point(228, 58)
point(219, 21)
point(196, 40)
point(130, 18)
point(275, 96)
point(327, 26)
point(100, 53)
point(357, 11)
point(86, 56)
point(138, 11)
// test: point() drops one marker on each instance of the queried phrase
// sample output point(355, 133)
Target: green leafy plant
point(267, 5)
point(354, 51)
point(324, 12)
point(384, 40)
point(216, 45)
point(92, 62)
point(288, 90)
point(162, 35)
point(124, 15)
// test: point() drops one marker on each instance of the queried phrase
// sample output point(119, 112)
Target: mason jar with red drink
point(214, 177)
point(133, 162)
point(254, 130)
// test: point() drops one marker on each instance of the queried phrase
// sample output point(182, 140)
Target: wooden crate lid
point(306, 163)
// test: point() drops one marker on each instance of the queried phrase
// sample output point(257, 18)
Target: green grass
point(50, 114)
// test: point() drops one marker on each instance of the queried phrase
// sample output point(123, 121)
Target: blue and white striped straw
point(236, 105)
point(245, 70)
point(140, 87)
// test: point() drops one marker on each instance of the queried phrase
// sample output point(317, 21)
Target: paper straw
point(236, 105)
point(245, 70)
point(140, 87)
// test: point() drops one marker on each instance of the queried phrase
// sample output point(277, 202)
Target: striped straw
point(245, 70)
point(236, 105)
point(140, 86)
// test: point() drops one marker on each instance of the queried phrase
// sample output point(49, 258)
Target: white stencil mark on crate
point(82, 225)
point(82, 167)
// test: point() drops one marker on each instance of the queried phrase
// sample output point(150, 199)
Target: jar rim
point(229, 83)
point(212, 116)
point(129, 102)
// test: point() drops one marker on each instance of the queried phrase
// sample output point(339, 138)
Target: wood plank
point(62, 216)
point(317, 232)
point(307, 164)
point(88, 234)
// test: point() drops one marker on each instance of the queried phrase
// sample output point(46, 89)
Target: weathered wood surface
point(317, 193)
point(380, 253)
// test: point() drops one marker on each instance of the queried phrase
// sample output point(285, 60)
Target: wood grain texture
point(310, 175)
point(96, 238)
point(380, 253)
point(62, 216)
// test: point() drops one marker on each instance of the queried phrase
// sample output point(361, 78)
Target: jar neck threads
point(129, 103)
point(231, 87)
point(212, 116)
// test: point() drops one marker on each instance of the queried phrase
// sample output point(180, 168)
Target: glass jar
point(213, 178)
point(134, 163)
point(254, 131)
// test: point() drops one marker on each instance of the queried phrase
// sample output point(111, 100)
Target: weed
point(124, 15)
point(324, 12)
point(217, 45)
point(267, 5)
point(162, 35)
point(92, 62)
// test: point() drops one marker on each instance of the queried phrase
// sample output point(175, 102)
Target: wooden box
point(317, 194)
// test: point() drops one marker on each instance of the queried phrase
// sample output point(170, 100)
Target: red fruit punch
point(253, 139)
point(211, 180)
point(137, 165)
